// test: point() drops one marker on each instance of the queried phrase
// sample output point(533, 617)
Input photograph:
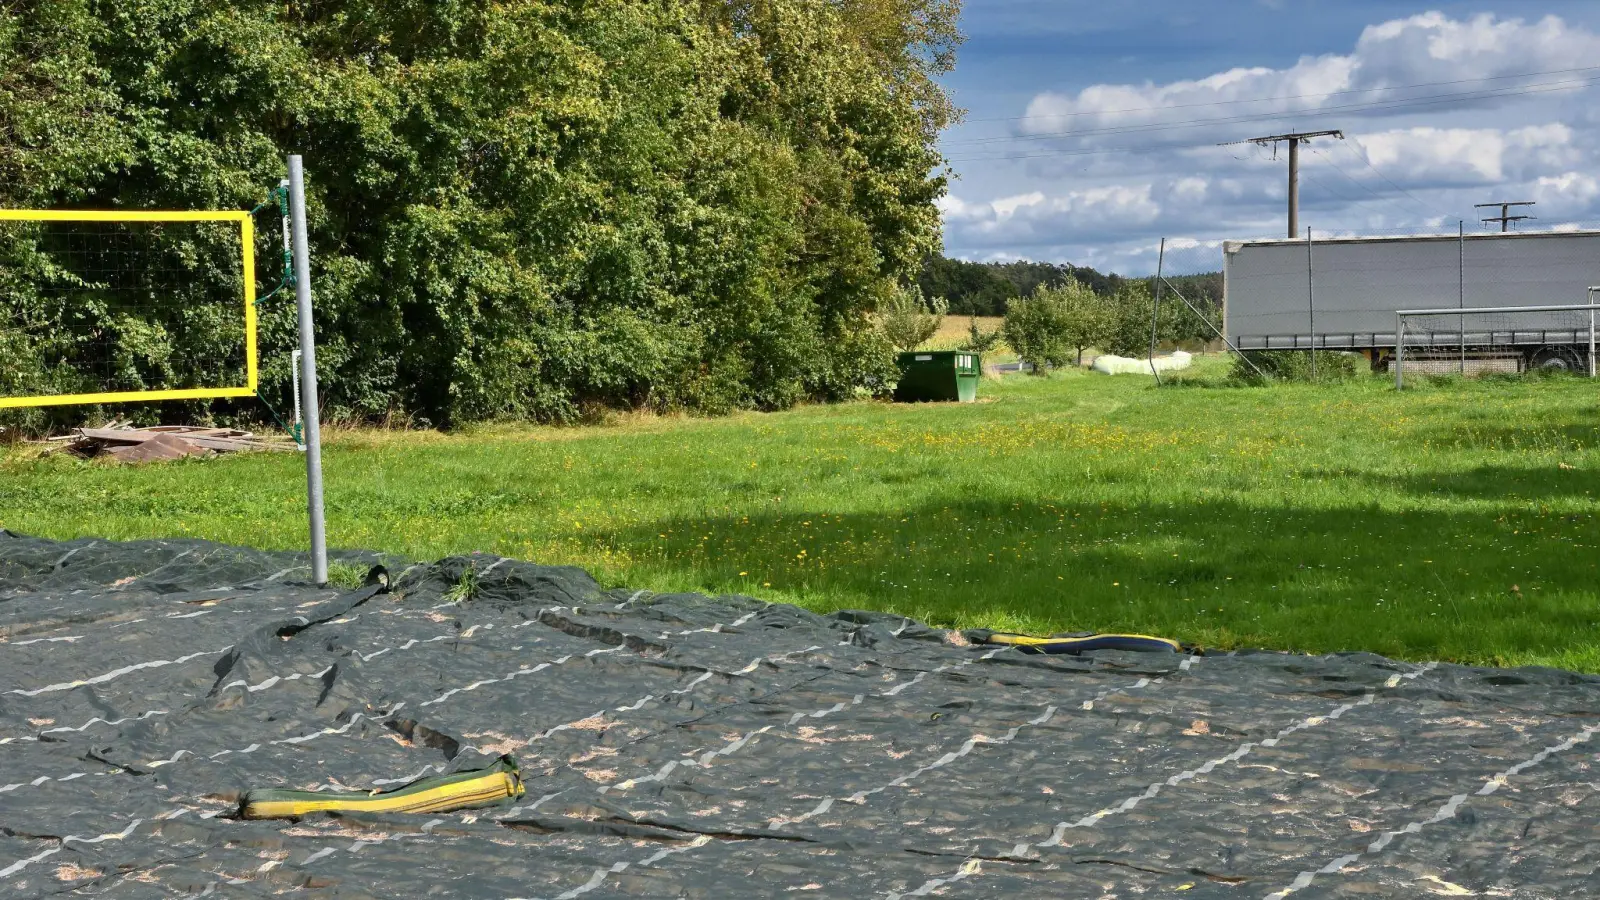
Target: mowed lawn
point(1455, 521)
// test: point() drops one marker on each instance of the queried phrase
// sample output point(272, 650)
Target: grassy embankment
point(1455, 521)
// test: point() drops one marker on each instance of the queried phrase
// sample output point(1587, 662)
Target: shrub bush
point(1295, 365)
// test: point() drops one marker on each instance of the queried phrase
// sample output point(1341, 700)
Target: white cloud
point(1474, 154)
point(1388, 59)
point(1569, 191)
point(1106, 170)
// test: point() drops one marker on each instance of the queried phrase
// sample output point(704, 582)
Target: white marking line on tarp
point(355, 847)
point(259, 686)
point(639, 704)
point(414, 642)
point(525, 670)
point(158, 763)
point(698, 680)
point(977, 740)
point(183, 613)
point(170, 814)
point(64, 639)
point(1445, 811)
point(600, 875)
point(541, 735)
point(712, 629)
point(1093, 819)
point(70, 554)
point(273, 680)
point(967, 746)
point(288, 741)
point(518, 810)
point(301, 739)
point(703, 758)
point(117, 673)
point(84, 727)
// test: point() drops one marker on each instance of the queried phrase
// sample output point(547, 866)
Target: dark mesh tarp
point(685, 746)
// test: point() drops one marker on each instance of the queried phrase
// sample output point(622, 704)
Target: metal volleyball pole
point(310, 429)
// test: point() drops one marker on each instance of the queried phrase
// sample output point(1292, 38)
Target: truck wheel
point(1559, 359)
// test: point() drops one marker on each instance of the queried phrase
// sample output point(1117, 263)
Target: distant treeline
point(987, 289)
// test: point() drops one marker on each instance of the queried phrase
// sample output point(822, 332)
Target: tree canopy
point(519, 208)
point(986, 289)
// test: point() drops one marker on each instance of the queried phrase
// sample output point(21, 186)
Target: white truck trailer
point(1345, 293)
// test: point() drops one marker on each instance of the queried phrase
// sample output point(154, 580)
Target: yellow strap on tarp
point(1078, 643)
point(440, 793)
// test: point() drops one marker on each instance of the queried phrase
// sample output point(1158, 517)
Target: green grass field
point(1455, 521)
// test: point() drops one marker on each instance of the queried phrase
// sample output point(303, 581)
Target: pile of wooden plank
point(125, 443)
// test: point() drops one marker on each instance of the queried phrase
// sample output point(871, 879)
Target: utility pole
point(1294, 140)
point(1505, 218)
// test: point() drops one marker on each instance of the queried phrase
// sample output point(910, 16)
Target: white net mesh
point(1477, 342)
point(93, 307)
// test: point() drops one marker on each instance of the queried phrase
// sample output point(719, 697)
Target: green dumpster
point(938, 375)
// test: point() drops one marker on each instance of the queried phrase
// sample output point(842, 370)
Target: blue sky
point(1086, 137)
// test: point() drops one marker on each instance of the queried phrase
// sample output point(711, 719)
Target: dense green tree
point(985, 289)
point(519, 208)
point(1038, 328)
point(972, 289)
point(908, 320)
point(1088, 320)
point(1132, 308)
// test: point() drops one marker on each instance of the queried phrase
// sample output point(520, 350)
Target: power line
point(1099, 151)
point(1362, 154)
point(1399, 87)
point(1352, 179)
point(1329, 160)
point(1328, 187)
point(1498, 93)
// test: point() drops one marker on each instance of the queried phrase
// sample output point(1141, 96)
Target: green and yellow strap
point(439, 793)
point(1077, 643)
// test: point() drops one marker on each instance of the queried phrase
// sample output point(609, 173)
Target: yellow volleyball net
point(115, 307)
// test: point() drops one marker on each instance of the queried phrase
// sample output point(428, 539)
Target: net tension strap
point(285, 280)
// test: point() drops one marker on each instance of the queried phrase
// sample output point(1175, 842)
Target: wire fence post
point(1461, 289)
point(1311, 303)
point(1214, 329)
point(1155, 309)
point(1399, 351)
point(1591, 332)
point(308, 371)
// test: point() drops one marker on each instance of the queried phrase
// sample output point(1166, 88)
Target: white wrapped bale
point(1122, 365)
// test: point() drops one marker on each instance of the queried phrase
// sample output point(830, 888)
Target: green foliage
point(1089, 316)
point(347, 575)
point(973, 289)
point(1039, 328)
point(521, 208)
point(1295, 365)
point(980, 341)
point(1132, 308)
point(465, 589)
point(908, 320)
point(986, 289)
